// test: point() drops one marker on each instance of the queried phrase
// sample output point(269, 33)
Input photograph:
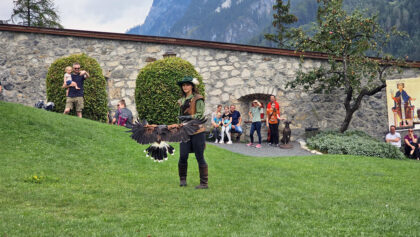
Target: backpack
point(39, 104)
point(49, 106)
point(122, 118)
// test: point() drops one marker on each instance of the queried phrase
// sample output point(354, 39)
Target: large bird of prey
point(158, 135)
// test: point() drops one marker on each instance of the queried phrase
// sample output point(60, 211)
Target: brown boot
point(182, 170)
point(204, 177)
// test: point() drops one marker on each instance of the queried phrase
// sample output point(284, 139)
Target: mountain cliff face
point(246, 21)
point(233, 21)
point(162, 16)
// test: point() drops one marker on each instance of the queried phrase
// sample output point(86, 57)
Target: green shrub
point(353, 143)
point(157, 92)
point(95, 94)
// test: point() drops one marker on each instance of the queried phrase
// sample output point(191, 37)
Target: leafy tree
point(157, 91)
point(40, 13)
point(282, 17)
point(346, 39)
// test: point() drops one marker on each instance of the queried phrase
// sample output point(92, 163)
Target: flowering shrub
point(353, 143)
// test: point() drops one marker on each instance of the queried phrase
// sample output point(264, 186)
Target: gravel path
point(265, 150)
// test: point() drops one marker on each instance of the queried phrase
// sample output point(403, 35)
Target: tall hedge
point(95, 95)
point(157, 92)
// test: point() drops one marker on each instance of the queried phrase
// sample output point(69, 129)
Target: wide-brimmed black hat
point(188, 79)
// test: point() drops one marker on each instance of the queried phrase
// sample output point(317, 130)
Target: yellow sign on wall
point(403, 103)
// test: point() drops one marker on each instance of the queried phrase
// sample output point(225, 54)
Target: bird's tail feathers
point(159, 151)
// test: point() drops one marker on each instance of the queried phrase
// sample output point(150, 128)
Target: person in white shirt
point(393, 137)
point(68, 81)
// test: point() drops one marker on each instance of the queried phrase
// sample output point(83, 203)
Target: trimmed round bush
point(353, 143)
point(157, 91)
point(95, 95)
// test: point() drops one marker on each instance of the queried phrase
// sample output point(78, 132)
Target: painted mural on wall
point(403, 103)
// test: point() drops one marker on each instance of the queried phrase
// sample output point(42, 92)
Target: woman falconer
point(192, 107)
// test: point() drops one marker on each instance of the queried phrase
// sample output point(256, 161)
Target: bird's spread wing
point(146, 134)
point(182, 132)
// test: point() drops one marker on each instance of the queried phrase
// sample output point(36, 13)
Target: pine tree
point(40, 13)
point(282, 17)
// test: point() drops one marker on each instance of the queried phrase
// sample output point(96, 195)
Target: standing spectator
point(236, 121)
point(213, 116)
point(273, 100)
point(123, 116)
point(411, 145)
point(75, 97)
point(255, 115)
point(227, 125)
point(272, 120)
point(393, 137)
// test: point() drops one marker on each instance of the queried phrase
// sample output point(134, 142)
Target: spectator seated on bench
point(411, 145)
point(393, 137)
point(217, 124)
point(226, 126)
point(236, 122)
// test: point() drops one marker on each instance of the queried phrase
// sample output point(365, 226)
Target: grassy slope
point(99, 183)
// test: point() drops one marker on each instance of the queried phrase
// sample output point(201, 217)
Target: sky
point(95, 15)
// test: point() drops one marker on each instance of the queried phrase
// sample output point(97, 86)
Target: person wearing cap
point(192, 107)
point(255, 115)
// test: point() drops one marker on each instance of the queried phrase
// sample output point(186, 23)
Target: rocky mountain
point(162, 16)
point(246, 21)
point(233, 21)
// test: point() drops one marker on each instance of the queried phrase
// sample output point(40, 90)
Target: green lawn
point(96, 181)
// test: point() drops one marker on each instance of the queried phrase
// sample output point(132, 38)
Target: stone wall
point(231, 77)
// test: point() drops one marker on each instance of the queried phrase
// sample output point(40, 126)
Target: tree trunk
point(347, 120)
point(350, 109)
point(29, 13)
